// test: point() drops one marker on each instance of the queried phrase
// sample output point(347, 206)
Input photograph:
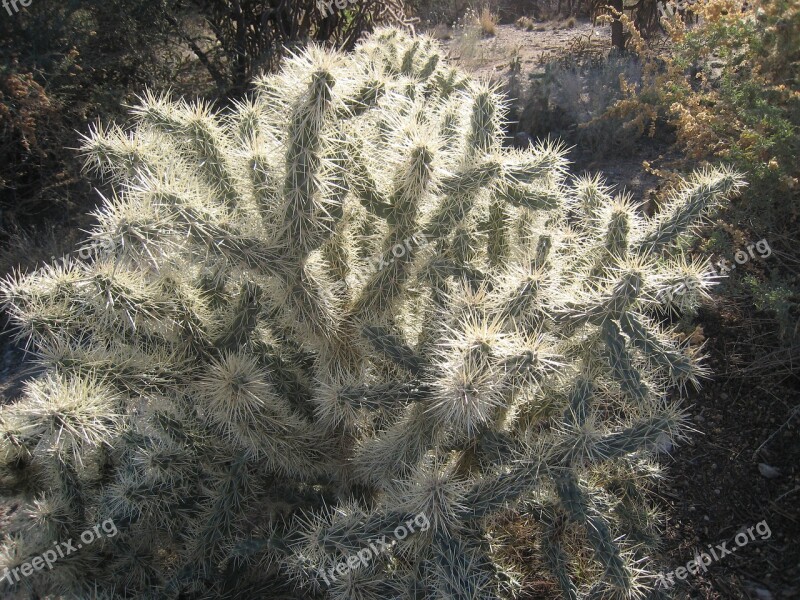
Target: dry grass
point(525, 23)
point(27, 250)
point(442, 32)
point(487, 20)
point(468, 36)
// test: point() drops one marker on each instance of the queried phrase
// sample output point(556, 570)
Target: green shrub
point(339, 309)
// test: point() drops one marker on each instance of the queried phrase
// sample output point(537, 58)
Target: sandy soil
point(491, 55)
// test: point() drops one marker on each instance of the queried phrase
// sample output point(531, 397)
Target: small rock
point(761, 593)
point(768, 471)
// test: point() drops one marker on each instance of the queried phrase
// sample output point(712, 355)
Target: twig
point(777, 431)
point(782, 496)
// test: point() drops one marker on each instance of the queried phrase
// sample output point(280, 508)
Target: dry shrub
point(29, 249)
point(32, 133)
point(467, 41)
point(573, 99)
point(448, 12)
point(488, 22)
point(525, 23)
point(441, 32)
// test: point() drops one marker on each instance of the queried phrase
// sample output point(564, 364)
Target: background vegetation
point(66, 64)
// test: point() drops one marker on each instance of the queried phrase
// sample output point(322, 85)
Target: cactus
point(341, 315)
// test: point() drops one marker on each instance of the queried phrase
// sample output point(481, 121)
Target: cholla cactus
point(338, 317)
